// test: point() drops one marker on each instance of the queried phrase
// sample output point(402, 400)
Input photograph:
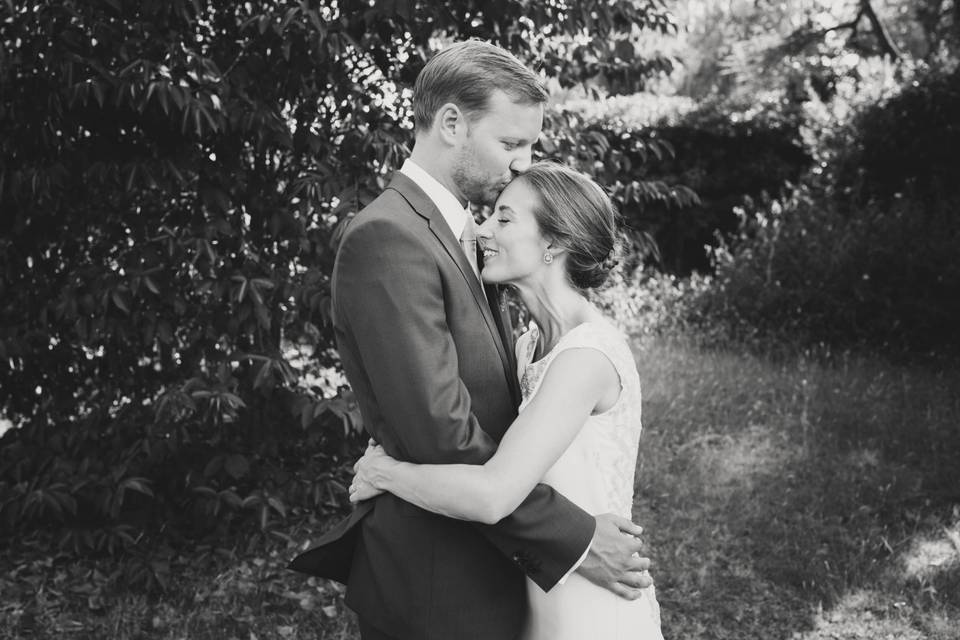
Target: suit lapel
point(425, 207)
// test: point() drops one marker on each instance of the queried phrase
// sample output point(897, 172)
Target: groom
point(428, 351)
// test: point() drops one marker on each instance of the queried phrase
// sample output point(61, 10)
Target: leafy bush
point(723, 161)
point(906, 146)
point(862, 250)
point(803, 268)
point(708, 159)
point(617, 156)
point(174, 178)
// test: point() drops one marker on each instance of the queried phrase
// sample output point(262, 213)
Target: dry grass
point(801, 498)
point(250, 597)
point(794, 498)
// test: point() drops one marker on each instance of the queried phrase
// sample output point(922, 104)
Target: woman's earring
point(547, 257)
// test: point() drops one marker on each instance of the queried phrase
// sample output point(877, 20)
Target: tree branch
point(886, 42)
point(852, 25)
point(883, 36)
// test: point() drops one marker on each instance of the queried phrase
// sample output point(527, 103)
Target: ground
point(800, 497)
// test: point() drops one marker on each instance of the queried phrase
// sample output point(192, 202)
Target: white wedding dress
point(597, 473)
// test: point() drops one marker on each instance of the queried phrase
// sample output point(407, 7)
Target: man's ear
point(449, 122)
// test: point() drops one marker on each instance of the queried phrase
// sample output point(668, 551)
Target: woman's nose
point(484, 231)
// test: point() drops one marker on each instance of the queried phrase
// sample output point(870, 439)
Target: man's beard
point(477, 189)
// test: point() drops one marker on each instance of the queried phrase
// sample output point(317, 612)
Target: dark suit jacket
point(430, 363)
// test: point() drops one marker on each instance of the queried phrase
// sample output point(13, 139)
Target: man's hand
point(613, 562)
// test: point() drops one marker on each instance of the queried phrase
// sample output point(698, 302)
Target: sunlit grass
point(797, 496)
point(789, 497)
point(934, 554)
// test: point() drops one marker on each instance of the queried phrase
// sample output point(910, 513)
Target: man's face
point(496, 146)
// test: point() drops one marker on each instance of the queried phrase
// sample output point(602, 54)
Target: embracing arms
point(397, 309)
point(577, 381)
point(394, 316)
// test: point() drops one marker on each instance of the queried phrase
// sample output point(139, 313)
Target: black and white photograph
point(480, 320)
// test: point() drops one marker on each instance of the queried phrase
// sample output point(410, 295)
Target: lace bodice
point(597, 469)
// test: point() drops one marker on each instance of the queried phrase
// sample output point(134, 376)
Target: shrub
point(906, 146)
point(174, 178)
point(804, 268)
point(708, 158)
point(862, 250)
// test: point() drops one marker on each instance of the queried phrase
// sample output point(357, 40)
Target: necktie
point(468, 240)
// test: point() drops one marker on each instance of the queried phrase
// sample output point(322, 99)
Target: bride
point(551, 236)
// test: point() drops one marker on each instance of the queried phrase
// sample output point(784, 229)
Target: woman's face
point(513, 245)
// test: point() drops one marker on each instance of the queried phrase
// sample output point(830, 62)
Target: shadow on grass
point(237, 596)
point(793, 498)
point(800, 499)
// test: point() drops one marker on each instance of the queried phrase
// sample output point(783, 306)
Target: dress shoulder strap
point(605, 338)
point(599, 336)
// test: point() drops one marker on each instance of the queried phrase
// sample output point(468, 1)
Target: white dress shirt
point(450, 208)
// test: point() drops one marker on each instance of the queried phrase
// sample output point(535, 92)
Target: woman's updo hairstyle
point(577, 215)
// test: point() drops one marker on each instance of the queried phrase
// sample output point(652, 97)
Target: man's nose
point(522, 161)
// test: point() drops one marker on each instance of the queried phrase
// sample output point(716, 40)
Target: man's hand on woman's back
point(613, 561)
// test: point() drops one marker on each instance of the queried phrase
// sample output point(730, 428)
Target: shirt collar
point(454, 214)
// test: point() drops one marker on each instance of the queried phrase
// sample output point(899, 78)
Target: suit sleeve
point(389, 292)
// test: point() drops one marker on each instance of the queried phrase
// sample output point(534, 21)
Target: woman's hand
point(369, 473)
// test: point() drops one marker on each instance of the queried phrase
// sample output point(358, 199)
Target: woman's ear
point(554, 247)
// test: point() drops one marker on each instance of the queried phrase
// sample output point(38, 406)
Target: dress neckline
point(536, 339)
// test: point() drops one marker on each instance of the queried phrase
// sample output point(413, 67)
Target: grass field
point(795, 497)
point(800, 498)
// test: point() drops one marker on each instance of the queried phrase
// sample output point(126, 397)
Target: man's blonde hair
point(466, 74)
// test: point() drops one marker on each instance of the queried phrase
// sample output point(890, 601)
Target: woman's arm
point(578, 381)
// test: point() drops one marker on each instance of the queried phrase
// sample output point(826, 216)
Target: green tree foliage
point(705, 164)
point(905, 147)
point(863, 251)
point(830, 129)
point(173, 179)
point(743, 50)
